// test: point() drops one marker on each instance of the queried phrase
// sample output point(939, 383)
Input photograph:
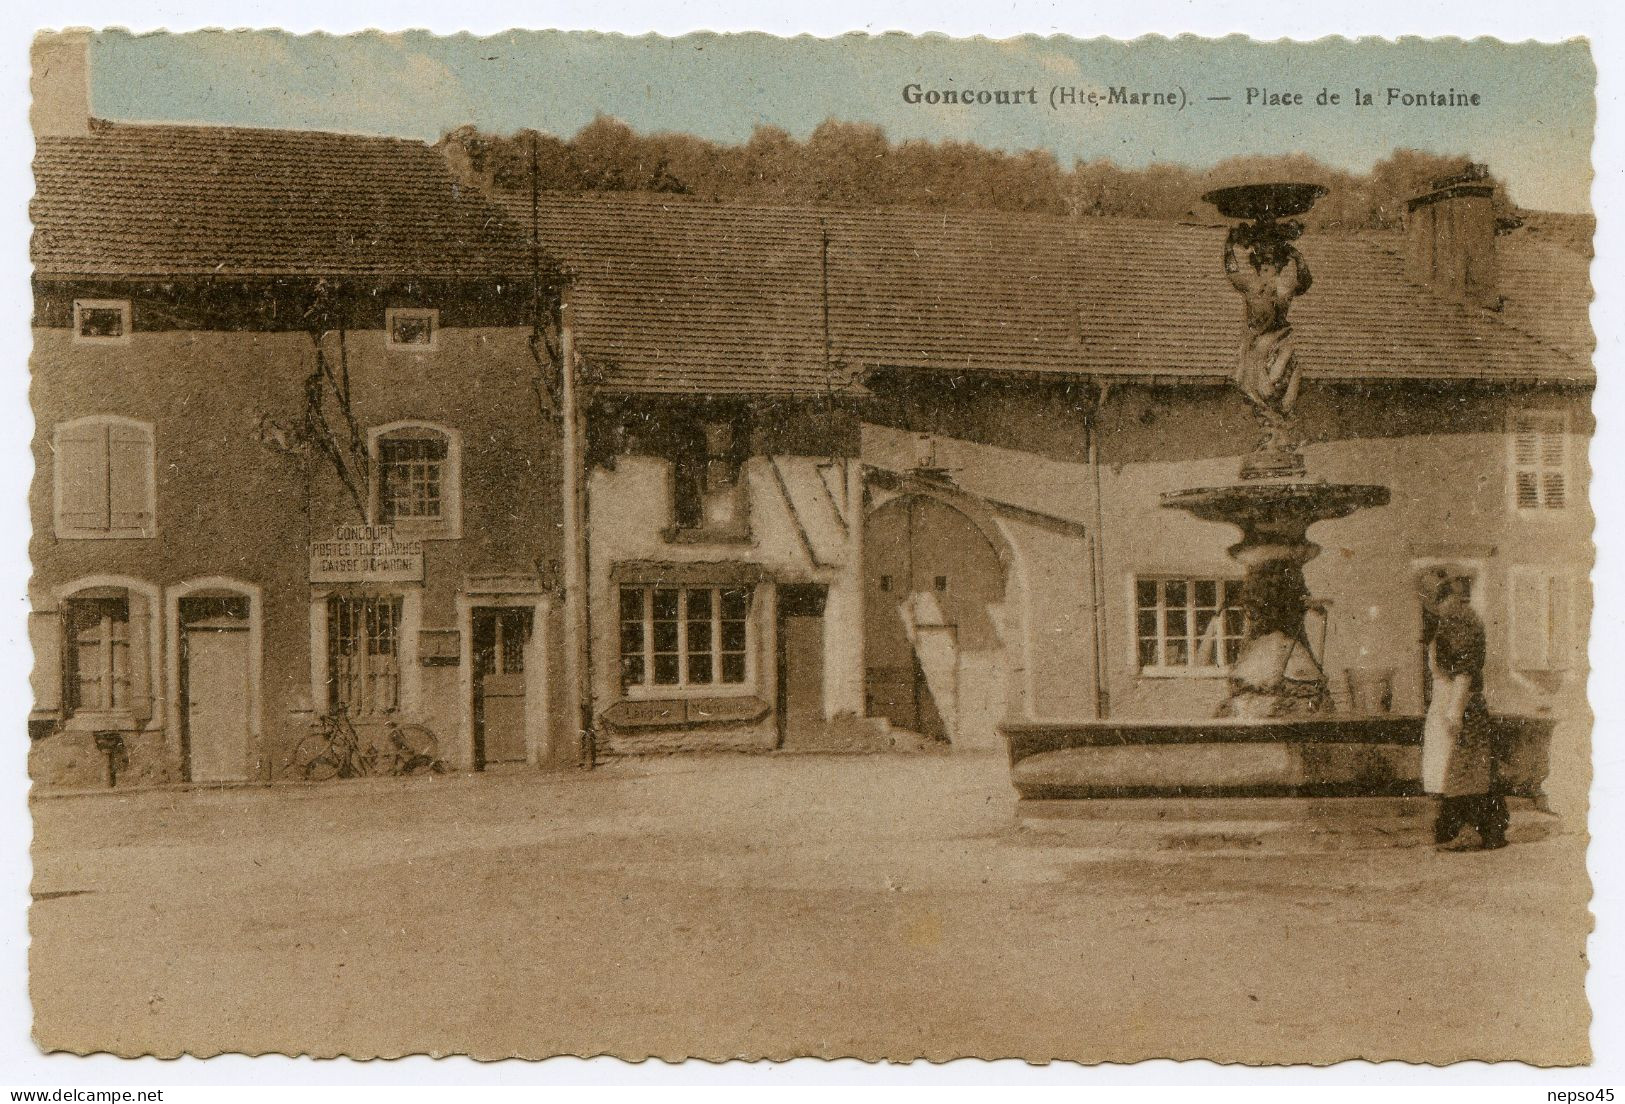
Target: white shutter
point(130, 478)
point(45, 633)
point(140, 629)
point(81, 479)
point(1540, 460)
point(1525, 441)
point(1560, 612)
point(1542, 620)
point(1530, 613)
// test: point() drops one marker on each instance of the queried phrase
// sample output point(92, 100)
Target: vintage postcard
point(740, 547)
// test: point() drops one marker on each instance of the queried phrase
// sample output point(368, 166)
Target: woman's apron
point(1455, 738)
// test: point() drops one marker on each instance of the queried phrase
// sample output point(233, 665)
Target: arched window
point(417, 477)
point(105, 480)
point(105, 647)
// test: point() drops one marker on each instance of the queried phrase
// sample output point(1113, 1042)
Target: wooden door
point(217, 696)
point(501, 639)
point(801, 665)
point(933, 645)
point(894, 685)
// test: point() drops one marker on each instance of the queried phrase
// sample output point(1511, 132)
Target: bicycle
point(412, 747)
point(334, 750)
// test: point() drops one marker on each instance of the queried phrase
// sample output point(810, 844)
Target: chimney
point(1450, 238)
point(60, 84)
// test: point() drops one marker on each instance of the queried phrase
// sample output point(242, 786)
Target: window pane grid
point(683, 637)
point(99, 650)
point(363, 652)
point(1192, 624)
point(410, 478)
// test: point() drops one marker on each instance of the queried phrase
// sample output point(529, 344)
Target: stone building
point(290, 453)
point(1025, 390)
point(814, 480)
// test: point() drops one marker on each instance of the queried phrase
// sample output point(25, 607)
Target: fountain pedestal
point(1276, 674)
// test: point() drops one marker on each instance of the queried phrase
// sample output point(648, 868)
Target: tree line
point(856, 164)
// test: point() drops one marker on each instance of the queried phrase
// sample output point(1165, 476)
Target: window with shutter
point(104, 479)
point(1540, 460)
point(708, 490)
point(1542, 620)
point(105, 655)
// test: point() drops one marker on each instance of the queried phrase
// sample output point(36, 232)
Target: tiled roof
point(138, 200)
point(680, 296)
point(1546, 284)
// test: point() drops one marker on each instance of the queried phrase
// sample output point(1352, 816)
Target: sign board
point(675, 712)
point(366, 554)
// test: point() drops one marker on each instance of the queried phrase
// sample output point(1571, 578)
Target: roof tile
point(138, 200)
point(678, 295)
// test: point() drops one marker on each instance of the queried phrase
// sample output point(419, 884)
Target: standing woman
point(1456, 737)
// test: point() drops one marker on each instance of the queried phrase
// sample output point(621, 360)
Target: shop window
point(1188, 626)
point(707, 486)
point(105, 485)
point(101, 321)
point(675, 638)
point(1540, 460)
point(363, 653)
point(416, 477)
point(412, 329)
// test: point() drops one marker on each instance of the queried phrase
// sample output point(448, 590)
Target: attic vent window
point(414, 329)
point(101, 321)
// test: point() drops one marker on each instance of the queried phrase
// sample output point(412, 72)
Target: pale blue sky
point(1534, 127)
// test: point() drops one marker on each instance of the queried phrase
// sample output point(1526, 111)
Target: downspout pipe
point(1097, 566)
point(577, 642)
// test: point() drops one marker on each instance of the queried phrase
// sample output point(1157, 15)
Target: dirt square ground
point(773, 906)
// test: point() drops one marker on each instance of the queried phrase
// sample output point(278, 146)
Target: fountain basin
point(1319, 756)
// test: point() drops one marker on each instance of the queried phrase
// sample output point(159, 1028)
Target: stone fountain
point(1277, 733)
point(1277, 673)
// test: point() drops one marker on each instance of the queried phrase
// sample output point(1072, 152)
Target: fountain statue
point(1269, 273)
point(1277, 672)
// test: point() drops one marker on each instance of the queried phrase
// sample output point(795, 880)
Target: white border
point(1511, 20)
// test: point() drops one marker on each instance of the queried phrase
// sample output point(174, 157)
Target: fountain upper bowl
point(1241, 502)
point(1264, 201)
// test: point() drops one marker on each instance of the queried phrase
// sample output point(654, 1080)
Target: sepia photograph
point(741, 547)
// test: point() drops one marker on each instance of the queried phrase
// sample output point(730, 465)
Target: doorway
point(933, 609)
point(216, 689)
point(502, 637)
point(801, 664)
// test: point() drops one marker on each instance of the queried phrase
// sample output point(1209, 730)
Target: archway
point(934, 646)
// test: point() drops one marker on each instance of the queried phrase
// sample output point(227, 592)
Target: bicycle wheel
point(314, 759)
point(416, 749)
